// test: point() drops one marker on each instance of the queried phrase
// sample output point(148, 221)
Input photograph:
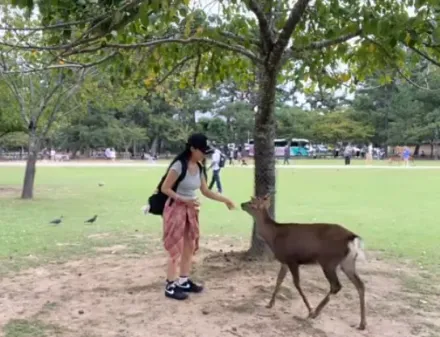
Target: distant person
point(231, 156)
point(113, 154)
point(239, 153)
point(286, 155)
point(242, 156)
point(406, 155)
point(52, 154)
point(363, 151)
point(369, 155)
point(348, 153)
point(217, 163)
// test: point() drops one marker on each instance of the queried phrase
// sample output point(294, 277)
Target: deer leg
point(335, 287)
point(348, 266)
point(281, 275)
point(294, 269)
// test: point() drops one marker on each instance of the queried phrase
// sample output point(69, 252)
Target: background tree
point(294, 122)
point(340, 127)
point(276, 42)
point(401, 112)
point(40, 98)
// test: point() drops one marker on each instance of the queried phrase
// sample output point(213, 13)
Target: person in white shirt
point(216, 167)
point(348, 152)
point(52, 154)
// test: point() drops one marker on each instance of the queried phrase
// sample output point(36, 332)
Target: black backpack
point(222, 161)
point(157, 200)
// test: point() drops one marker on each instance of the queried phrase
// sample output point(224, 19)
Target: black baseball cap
point(200, 142)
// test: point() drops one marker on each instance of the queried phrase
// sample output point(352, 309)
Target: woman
point(406, 155)
point(181, 215)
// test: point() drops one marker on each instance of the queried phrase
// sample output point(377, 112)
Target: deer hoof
point(312, 315)
point(361, 326)
point(269, 305)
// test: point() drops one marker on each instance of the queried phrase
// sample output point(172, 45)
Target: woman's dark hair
point(185, 155)
point(204, 169)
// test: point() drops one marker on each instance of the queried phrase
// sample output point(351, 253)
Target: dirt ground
point(121, 295)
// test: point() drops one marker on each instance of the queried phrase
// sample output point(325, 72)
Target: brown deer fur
point(294, 244)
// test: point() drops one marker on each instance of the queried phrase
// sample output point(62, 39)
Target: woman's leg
point(187, 255)
point(172, 269)
point(185, 283)
point(175, 250)
point(171, 288)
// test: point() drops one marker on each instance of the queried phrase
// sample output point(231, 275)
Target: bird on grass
point(57, 221)
point(101, 184)
point(92, 220)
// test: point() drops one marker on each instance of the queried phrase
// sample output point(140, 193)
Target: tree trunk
point(29, 176)
point(74, 153)
point(417, 150)
point(126, 155)
point(432, 150)
point(154, 145)
point(264, 153)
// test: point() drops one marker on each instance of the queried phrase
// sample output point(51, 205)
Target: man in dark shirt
point(286, 154)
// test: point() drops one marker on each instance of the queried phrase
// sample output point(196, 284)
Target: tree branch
point(64, 66)
point(296, 51)
point(396, 67)
point(14, 89)
point(63, 97)
point(410, 81)
point(425, 56)
point(283, 39)
point(201, 40)
point(51, 27)
point(239, 39)
point(328, 42)
point(46, 99)
point(61, 25)
point(266, 34)
point(176, 66)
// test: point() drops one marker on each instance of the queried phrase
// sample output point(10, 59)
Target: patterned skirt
point(178, 219)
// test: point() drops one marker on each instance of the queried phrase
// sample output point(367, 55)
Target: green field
point(395, 211)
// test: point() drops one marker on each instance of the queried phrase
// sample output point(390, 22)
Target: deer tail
point(356, 249)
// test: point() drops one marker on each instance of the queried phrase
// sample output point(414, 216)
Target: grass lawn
point(112, 286)
point(395, 211)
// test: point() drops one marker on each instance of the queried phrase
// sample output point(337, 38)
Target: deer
point(294, 244)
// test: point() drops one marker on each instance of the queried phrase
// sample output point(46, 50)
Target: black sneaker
point(172, 291)
point(189, 287)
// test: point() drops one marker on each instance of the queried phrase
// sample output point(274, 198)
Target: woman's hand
point(194, 203)
point(229, 204)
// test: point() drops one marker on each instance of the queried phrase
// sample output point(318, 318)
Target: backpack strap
point(181, 175)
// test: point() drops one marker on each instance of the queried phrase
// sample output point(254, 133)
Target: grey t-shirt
point(190, 184)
